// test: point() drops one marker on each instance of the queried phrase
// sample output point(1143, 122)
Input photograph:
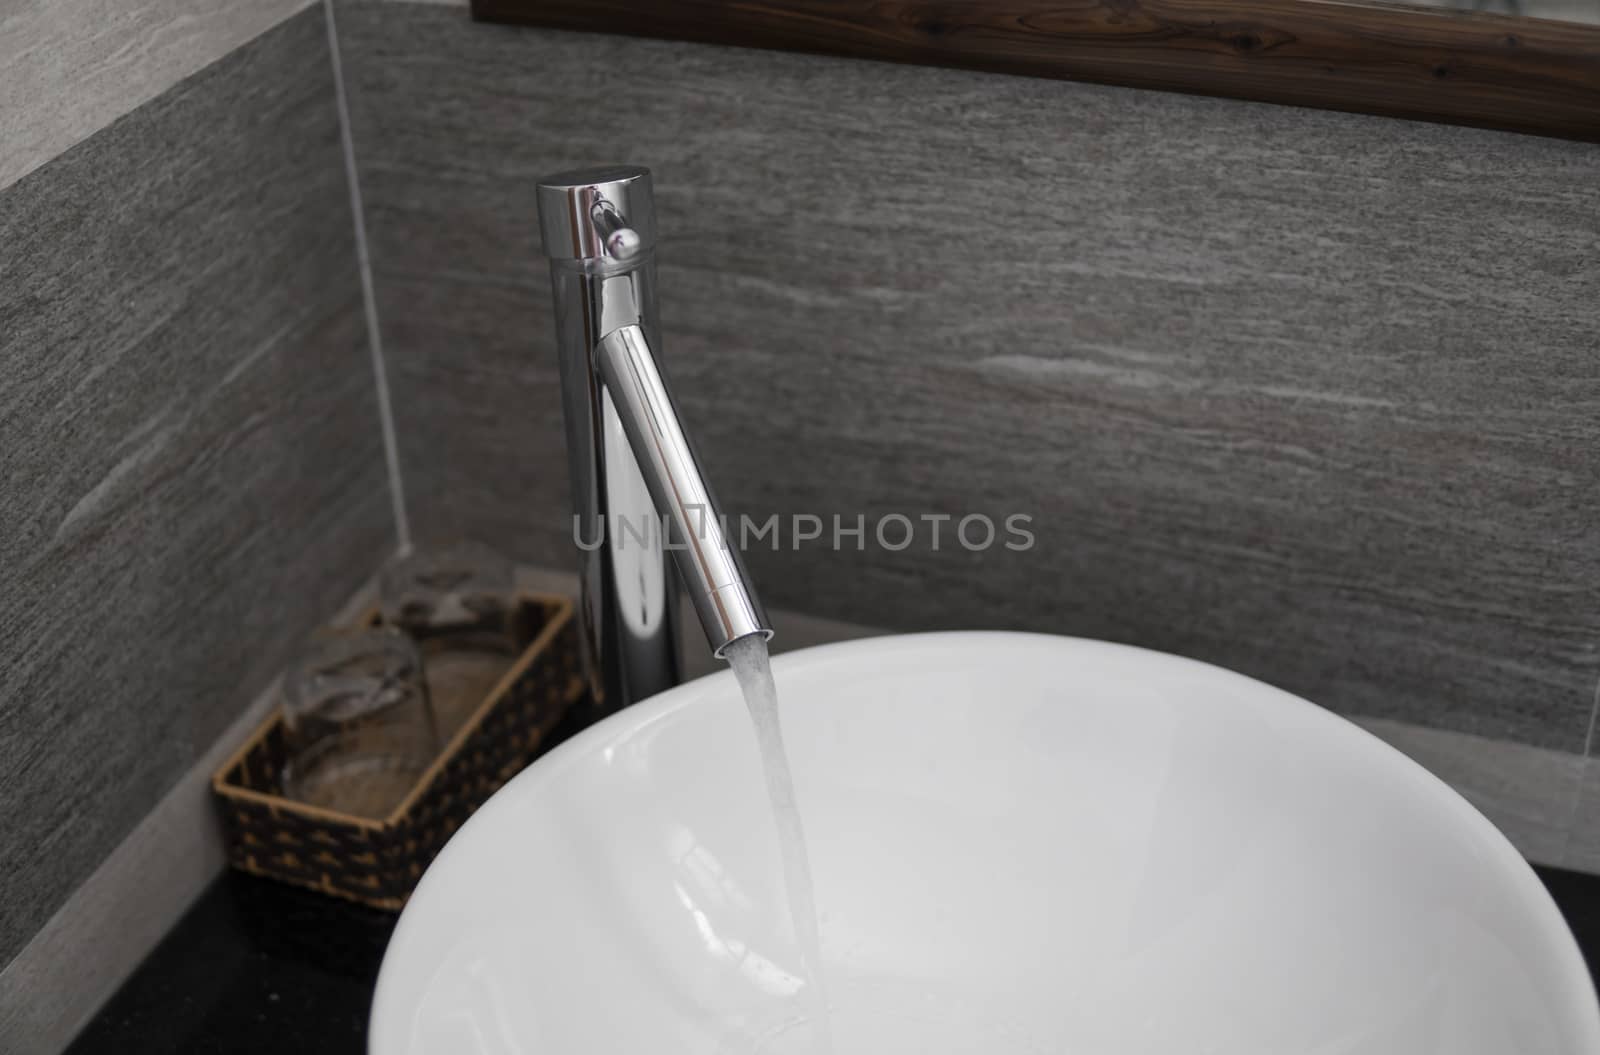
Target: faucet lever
point(602, 216)
point(619, 239)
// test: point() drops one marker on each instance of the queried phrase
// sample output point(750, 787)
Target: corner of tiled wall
point(193, 468)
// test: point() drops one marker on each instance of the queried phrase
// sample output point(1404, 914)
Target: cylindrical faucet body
point(639, 495)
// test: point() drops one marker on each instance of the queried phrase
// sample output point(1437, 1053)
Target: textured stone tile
point(480, 431)
point(192, 472)
point(1305, 394)
point(68, 68)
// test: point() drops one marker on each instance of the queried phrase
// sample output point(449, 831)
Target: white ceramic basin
point(1020, 844)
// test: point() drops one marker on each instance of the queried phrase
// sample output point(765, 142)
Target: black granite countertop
point(254, 966)
point(257, 966)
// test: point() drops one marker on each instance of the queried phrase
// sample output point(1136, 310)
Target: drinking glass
point(459, 603)
point(358, 722)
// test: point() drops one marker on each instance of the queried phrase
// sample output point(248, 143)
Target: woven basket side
point(379, 863)
point(509, 739)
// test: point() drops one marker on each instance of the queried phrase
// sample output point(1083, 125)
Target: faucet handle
point(605, 215)
point(620, 240)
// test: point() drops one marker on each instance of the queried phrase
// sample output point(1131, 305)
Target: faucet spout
point(708, 563)
point(640, 497)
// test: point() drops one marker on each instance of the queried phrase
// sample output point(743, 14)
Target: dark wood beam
point(1495, 71)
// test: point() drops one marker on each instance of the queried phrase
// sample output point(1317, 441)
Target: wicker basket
point(379, 862)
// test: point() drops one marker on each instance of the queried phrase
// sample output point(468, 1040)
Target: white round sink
point(1020, 844)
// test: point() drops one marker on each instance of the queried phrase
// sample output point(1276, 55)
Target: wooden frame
point(1494, 71)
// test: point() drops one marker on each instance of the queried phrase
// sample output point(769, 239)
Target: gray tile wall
point(68, 70)
point(1310, 395)
point(191, 469)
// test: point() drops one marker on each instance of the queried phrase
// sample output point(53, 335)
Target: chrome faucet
point(637, 488)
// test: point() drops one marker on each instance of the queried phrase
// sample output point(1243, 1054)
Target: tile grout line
point(1577, 801)
point(369, 300)
point(1594, 715)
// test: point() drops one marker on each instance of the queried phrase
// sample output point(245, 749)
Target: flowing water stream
point(748, 657)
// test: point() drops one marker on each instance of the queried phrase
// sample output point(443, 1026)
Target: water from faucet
point(748, 658)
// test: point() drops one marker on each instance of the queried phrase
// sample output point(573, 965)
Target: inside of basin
point(1149, 855)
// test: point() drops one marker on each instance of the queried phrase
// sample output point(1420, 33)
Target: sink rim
point(1532, 895)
